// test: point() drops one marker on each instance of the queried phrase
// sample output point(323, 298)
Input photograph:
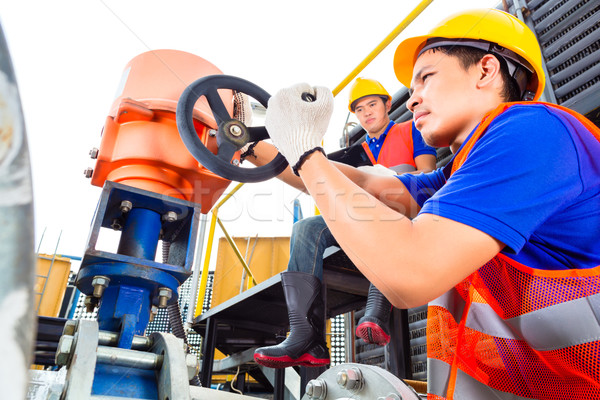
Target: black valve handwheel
point(232, 134)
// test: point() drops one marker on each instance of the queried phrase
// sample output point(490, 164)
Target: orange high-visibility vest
point(397, 147)
point(509, 331)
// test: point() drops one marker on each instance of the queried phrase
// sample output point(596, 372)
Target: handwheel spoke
point(258, 133)
point(216, 105)
point(226, 151)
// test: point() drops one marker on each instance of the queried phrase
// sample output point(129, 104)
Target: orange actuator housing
point(141, 146)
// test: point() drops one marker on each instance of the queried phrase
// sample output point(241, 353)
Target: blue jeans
point(310, 237)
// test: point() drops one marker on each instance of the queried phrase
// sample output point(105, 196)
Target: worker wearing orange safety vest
point(503, 241)
point(398, 146)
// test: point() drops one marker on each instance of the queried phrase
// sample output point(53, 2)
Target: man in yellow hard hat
point(503, 241)
point(398, 148)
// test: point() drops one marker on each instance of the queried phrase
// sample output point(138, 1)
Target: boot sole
point(372, 333)
point(306, 360)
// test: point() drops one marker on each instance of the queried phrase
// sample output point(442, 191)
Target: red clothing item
point(397, 147)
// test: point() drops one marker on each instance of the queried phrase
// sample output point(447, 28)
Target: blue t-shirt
point(419, 146)
point(532, 181)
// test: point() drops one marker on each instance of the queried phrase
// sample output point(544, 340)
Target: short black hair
point(469, 56)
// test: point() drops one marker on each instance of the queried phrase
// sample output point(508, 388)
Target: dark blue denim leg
point(310, 238)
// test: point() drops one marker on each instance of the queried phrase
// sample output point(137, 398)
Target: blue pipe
point(140, 234)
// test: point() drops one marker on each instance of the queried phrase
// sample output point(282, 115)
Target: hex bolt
point(193, 366)
point(350, 379)
point(170, 216)
point(88, 172)
point(63, 351)
point(126, 206)
point(342, 378)
point(100, 282)
point(94, 153)
point(235, 130)
point(70, 327)
point(316, 389)
point(90, 303)
point(235, 162)
point(164, 294)
point(212, 133)
point(153, 312)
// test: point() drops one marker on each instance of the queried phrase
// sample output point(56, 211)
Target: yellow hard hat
point(366, 87)
point(474, 28)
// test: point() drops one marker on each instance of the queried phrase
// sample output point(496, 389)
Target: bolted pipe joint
point(100, 282)
point(164, 295)
point(316, 389)
point(64, 350)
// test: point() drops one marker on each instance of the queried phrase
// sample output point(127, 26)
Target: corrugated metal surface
point(569, 35)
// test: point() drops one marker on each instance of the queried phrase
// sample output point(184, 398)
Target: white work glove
point(377, 169)
point(296, 126)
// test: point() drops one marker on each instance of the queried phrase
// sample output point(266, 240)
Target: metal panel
point(569, 35)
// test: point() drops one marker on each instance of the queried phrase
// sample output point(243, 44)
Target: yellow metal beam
point(209, 243)
point(388, 39)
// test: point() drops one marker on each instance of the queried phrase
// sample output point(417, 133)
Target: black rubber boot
point(305, 344)
point(373, 327)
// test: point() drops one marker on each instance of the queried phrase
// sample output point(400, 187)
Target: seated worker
point(387, 144)
point(503, 242)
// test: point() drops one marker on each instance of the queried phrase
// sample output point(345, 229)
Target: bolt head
point(355, 379)
point(170, 216)
point(88, 172)
point(165, 292)
point(342, 378)
point(63, 351)
point(94, 153)
point(126, 206)
point(70, 327)
point(316, 389)
point(100, 280)
point(212, 132)
point(235, 130)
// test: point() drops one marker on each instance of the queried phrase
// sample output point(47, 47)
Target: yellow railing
point(215, 219)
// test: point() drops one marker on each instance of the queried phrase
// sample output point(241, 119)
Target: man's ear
point(489, 70)
point(388, 105)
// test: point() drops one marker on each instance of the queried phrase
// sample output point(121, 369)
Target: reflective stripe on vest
point(466, 386)
point(397, 148)
point(509, 331)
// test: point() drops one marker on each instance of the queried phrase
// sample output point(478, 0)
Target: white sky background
point(68, 58)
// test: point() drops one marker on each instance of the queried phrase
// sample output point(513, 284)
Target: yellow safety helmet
point(366, 87)
point(474, 28)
